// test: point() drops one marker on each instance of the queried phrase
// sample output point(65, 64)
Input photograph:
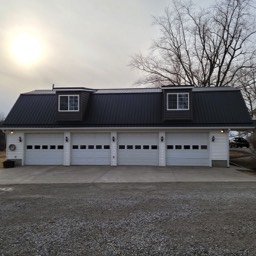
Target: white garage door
point(138, 149)
point(91, 149)
point(44, 149)
point(187, 149)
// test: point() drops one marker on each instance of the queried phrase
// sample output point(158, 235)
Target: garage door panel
point(44, 149)
point(188, 149)
point(190, 162)
point(91, 149)
point(138, 149)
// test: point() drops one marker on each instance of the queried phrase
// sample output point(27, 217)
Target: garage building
point(167, 126)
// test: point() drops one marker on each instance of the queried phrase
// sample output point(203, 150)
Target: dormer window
point(69, 103)
point(177, 101)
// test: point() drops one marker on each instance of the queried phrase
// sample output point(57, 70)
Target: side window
point(177, 101)
point(68, 102)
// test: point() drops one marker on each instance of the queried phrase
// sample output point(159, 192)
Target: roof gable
point(137, 109)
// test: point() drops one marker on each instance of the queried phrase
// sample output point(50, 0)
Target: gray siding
point(185, 115)
point(73, 116)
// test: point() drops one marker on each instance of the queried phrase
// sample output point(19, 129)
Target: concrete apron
point(121, 174)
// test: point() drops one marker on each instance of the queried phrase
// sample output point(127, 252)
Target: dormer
point(71, 103)
point(177, 103)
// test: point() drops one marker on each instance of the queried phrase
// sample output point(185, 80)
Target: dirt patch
point(243, 158)
point(2, 158)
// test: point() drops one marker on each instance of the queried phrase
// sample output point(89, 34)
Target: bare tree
point(246, 81)
point(201, 48)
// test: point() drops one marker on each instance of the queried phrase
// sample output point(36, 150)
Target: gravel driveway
point(128, 219)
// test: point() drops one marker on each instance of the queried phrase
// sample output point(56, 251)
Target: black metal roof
point(211, 108)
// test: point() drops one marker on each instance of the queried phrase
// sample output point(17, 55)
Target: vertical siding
point(17, 154)
point(162, 149)
point(219, 148)
point(67, 147)
point(113, 149)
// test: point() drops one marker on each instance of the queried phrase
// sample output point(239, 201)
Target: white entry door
point(44, 149)
point(187, 149)
point(90, 149)
point(138, 149)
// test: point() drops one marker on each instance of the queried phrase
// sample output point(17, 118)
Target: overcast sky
point(85, 43)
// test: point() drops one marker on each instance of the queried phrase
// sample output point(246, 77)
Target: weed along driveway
point(128, 219)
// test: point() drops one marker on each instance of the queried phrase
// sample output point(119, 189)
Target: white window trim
point(178, 109)
point(68, 110)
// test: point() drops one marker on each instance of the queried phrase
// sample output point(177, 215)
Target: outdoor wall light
point(222, 131)
point(162, 138)
point(20, 139)
point(66, 139)
point(11, 132)
point(213, 138)
point(113, 138)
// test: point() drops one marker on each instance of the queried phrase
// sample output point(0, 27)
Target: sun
point(26, 49)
